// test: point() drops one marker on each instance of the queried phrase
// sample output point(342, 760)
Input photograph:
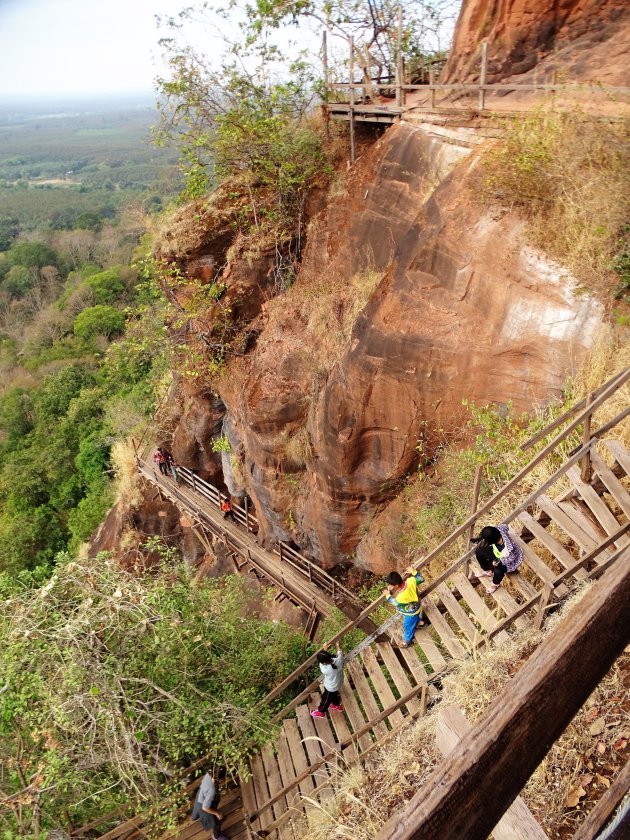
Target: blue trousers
point(410, 622)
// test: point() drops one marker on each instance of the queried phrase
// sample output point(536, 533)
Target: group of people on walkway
point(497, 553)
point(166, 463)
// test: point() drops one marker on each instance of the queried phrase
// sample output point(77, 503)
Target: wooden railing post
point(351, 112)
point(246, 505)
point(542, 605)
point(400, 97)
point(431, 86)
point(586, 436)
point(483, 75)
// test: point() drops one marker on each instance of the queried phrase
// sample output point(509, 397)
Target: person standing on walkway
point(172, 466)
point(206, 805)
point(226, 509)
point(497, 552)
point(403, 594)
point(332, 669)
point(159, 457)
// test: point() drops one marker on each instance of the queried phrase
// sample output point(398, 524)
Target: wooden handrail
point(313, 659)
point(486, 87)
point(612, 386)
point(579, 564)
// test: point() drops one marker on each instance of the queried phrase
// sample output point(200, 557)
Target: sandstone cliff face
point(578, 40)
point(463, 309)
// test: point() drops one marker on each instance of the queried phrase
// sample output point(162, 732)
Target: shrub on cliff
point(113, 681)
point(569, 173)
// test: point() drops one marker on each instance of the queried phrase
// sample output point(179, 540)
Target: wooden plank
point(583, 518)
point(619, 454)
point(339, 722)
point(399, 675)
point(312, 742)
point(539, 532)
point(567, 666)
point(366, 697)
point(484, 615)
point(447, 635)
point(611, 483)
point(596, 505)
point(518, 822)
point(603, 810)
point(428, 647)
point(509, 605)
point(274, 779)
point(521, 583)
point(298, 755)
point(261, 789)
point(287, 774)
point(381, 686)
point(354, 714)
point(249, 800)
point(458, 614)
point(566, 521)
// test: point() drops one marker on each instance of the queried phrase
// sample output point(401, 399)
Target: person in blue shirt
point(206, 805)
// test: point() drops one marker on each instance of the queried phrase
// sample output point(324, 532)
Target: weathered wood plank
point(619, 454)
point(568, 665)
point(366, 697)
point(274, 779)
point(562, 555)
point(354, 714)
point(611, 483)
point(517, 823)
point(458, 614)
point(261, 789)
point(597, 506)
point(298, 756)
point(447, 635)
point(429, 649)
point(398, 674)
point(381, 686)
point(566, 521)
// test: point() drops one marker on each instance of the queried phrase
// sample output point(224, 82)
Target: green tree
point(9, 230)
point(107, 286)
point(99, 320)
point(32, 255)
point(150, 672)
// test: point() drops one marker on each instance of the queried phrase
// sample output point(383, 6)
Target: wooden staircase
point(571, 528)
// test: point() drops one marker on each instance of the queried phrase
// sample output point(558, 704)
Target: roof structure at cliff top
point(570, 532)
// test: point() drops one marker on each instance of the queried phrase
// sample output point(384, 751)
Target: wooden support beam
point(566, 668)
point(483, 75)
point(518, 822)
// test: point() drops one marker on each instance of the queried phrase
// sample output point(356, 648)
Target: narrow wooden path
point(572, 528)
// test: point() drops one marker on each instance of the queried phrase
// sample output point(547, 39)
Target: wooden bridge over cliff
point(572, 527)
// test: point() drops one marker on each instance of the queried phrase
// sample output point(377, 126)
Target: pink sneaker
point(335, 707)
point(317, 713)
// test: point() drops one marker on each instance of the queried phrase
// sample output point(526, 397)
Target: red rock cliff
point(578, 39)
point(463, 309)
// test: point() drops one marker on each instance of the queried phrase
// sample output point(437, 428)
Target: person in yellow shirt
point(403, 595)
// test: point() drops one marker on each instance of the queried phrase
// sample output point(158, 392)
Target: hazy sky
point(72, 47)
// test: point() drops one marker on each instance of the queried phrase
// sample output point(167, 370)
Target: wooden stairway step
point(287, 768)
point(446, 634)
point(597, 506)
point(509, 605)
point(402, 679)
point(486, 618)
point(458, 614)
point(261, 790)
point(274, 779)
point(298, 755)
point(540, 533)
point(366, 697)
point(566, 519)
point(584, 519)
point(354, 715)
point(430, 650)
point(249, 800)
point(611, 483)
point(620, 455)
point(311, 741)
point(381, 686)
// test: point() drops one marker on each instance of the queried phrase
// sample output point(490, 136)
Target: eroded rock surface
point(462, 309)
point(578, 40)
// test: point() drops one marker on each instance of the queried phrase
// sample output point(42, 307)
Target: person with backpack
point(497, 553)
point(332, 669)
point(206, 806)
point(403, 595)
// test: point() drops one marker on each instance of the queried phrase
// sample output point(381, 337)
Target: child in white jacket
point(332, 669)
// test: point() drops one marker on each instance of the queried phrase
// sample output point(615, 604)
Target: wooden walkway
point(299, 579)
point(572, 528)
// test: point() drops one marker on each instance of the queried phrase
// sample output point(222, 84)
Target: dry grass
point(299, 449)
point(129, 493)
point(569, 173)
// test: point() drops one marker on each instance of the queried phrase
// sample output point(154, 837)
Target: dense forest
point(74, 203)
